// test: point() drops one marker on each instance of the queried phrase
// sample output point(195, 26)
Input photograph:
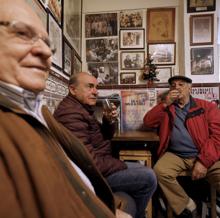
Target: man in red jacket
point(189, 131)
point(76, 113)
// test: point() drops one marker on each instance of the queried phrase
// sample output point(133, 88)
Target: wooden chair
point(139, 155)
point(210, 204)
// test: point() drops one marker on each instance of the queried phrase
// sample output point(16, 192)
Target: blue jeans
point(138, 181)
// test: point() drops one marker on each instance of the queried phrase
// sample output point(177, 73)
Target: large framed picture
point(202, 61)
point(40, 11)
point(132, 39)
point(67, 57)
point(132, 60)
point(102, 50)
point(131, 19)
point(200, 5)
point(55, 7)
point(72, 22)
point(164, 73)
point(161, 25)
point(128, 78)
point(99, 25)
point(162, 54)
point(55, 34)
point(105, 73)
point(201, 29)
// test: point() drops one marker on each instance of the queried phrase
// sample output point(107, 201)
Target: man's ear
point(72, 89)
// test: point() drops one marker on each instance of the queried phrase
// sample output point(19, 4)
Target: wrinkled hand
point(199, 171)
point(111, 114)
point(172, 96)
point(122, 214)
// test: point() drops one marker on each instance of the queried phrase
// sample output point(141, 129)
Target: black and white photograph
point(77, 64)
point(105, 73)
point(99, 25)
point(202, 61)
point(163, 74)
point(72, 21)
point(131, 19)
point(55, 34)
point(128, 78)
point(132, 39)
point(132, 60)
point(67, 50)
point(102, 50)
point(162, 54)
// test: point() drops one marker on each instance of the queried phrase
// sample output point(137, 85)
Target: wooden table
point(136, 146)
point(141, 136)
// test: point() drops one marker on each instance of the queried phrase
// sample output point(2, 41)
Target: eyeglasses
point(26, 33)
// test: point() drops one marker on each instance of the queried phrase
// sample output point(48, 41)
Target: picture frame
point(161, 25)
point(162, 54)
point(200, 5)
point(131, 19)
point(131, 38)
point(67, 57)
point(201, 29)
point(164, 73)
point(55, 34)
point(72, 22)
point(77, 64)
point(202, 61)
point(101, 25)
point(105, 73)
point(102, 50)
point(132, 60)
point(40, 11)
point(55, 6)
point(128, 78)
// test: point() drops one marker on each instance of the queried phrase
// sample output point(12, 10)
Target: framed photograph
point(102, 50)
point(162, 54)
point(200, 5)
point(128, 78)
point(77, 64)
point(160, 25)
point(67, 57)
point(131, 19)
point(55, 7)
point(201, 29)
point(106, 73)
point(72, 23)
point(40, 11)
point(132, 60)
point(202, 61)
point(164, 73)
point(99, 25)
point(55, 34)
point(132, 39)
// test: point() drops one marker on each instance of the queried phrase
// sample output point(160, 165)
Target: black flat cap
point(183, 78)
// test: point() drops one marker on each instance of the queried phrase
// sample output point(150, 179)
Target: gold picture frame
point(200, 5)
point(160, 25)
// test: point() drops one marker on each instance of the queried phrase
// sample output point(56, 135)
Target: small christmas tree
point(149, 72)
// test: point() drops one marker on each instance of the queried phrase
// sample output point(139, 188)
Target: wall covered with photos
point(117, 44)
point(63, 21)
point(168, 30)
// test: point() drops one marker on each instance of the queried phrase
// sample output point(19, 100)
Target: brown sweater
point(80, 120)
point(36, 178)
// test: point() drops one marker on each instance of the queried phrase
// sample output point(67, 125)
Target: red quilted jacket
point(202, 123)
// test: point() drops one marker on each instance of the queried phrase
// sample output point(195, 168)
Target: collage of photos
point(101, 32)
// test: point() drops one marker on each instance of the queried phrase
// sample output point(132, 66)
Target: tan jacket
point(36, 179)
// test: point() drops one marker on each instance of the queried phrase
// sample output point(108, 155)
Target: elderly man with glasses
point(37, 178)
